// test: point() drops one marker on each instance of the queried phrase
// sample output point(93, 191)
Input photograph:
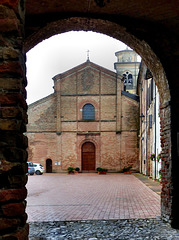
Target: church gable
point(86, 79)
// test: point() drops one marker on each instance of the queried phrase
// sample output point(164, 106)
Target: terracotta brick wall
point(45, 116)
point(13, 119)
point(63, 110)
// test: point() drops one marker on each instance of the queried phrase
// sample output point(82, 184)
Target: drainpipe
point(146, 120)
point(155, 105)
point(141, 138)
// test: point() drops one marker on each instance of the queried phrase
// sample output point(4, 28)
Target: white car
point(39, 169)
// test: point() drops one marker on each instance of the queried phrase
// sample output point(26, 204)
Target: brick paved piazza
point(62, 197)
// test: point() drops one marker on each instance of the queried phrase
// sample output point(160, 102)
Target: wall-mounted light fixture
point(142, 116)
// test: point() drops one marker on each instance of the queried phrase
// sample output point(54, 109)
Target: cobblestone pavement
point(139, 229)
point(62, 197)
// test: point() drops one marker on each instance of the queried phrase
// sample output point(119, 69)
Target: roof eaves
point(130, 95)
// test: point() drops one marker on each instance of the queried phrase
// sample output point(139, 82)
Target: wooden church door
point(88, 157)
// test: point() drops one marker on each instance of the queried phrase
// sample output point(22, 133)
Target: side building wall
point(150, 145)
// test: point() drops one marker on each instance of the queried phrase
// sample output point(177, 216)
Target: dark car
point(31, 169)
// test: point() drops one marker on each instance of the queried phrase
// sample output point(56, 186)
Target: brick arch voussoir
point(89, 140)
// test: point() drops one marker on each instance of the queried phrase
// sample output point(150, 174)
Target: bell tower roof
point(126, 55)
point(127, 65)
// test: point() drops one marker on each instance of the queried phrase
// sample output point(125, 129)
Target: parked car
point(31, 169)
point(39, 169)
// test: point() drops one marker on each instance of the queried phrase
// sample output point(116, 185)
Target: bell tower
point(127, 65)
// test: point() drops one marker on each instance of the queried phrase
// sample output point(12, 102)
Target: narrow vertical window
point(88, 112)
point(150, 121)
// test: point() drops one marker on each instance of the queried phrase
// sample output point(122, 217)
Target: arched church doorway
point(49, 165)
point(88, 156)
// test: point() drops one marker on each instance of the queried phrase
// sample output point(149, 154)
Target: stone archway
point(150, 59)
point(154, 39)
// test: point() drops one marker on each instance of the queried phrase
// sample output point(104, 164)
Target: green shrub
point(126, 169)
point(101, 169)
point(70, 169)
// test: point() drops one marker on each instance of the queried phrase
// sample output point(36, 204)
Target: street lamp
point(142, 116)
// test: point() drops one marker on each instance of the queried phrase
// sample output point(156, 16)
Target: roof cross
point(88, 51)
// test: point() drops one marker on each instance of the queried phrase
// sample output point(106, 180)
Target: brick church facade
point(88, 122)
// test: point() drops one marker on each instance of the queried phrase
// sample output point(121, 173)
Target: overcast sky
point(63, 52)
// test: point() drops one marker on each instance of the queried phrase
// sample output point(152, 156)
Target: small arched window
point(88, 112)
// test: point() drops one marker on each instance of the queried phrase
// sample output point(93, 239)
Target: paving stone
point(89, 197)
point(100, 212)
